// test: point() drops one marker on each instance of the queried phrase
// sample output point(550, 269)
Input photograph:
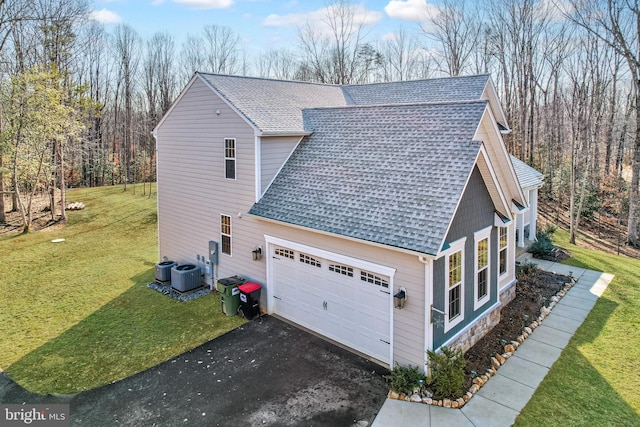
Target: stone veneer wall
point(507, 295)
point(472, 335)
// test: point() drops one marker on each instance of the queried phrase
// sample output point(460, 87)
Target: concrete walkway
point(500, 401)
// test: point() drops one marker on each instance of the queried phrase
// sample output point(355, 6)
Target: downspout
point(154, 133)
point(428, 302)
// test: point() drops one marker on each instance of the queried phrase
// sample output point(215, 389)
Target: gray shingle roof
point(386, 174)
point(274, 105)
point(465, 88)
point(528, 176)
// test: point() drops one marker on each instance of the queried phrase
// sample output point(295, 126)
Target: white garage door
point(347, 304)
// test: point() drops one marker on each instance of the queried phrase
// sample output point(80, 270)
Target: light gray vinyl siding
point(474, 213)
point(273, 153)
point(192, 189)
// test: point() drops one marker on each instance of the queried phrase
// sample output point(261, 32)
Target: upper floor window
point(230, 158)
point(503, 249)
point(225, 233)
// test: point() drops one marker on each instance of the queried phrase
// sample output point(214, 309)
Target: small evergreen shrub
point(549, 229)
point(403, 379)
point(526, 269)
point(447, 373)
point(543, 246)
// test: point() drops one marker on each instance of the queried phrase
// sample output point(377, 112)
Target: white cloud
point(360, 16)
point(389, 37)
point(411, 10)
point(207, 4)
point(105, 16)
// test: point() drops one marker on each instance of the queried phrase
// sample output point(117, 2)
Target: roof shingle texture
point(274, 105)
point(528, 176)
point(466, 88)
point(386, 174)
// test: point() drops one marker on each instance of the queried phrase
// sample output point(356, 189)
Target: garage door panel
point(333, 299)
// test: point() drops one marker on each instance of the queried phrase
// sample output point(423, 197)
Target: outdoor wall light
point(256, 253)
point(400, 298)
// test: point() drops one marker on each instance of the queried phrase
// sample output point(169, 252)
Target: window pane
point(226, 245)
point(454, 302)
point(482, 283)
point(455, 269)
point(230, 169)
point(503, 237)
point(503, 261)
point(483, 253)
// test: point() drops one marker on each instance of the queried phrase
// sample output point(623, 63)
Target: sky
point(261, 24)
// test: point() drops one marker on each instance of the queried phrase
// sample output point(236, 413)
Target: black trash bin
point(249, 300)
point(229, 294)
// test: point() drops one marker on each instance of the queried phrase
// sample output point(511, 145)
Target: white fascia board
point(492, 96)
point(503, 149)
point(494, 178)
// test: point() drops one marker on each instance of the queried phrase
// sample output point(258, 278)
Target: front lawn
point(595, 380)
point(76, 315)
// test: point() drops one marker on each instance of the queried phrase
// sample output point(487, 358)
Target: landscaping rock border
point(424, 396)
point(166, 289)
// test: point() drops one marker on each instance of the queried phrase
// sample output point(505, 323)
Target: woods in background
point(568, 75)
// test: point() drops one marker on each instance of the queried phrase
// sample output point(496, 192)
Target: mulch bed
point(533, 291)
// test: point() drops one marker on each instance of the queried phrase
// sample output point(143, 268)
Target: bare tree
point(126, 45)
point(334, 57)
point(277, 63)
point(617, 23)
point(456, 30)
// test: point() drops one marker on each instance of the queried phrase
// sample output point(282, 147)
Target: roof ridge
point(268, 79)
point(419, 80)
point(401, 104)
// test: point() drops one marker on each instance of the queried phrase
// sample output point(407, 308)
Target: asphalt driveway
point(266, 373)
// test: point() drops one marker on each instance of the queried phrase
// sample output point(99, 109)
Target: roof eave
point(342, 236)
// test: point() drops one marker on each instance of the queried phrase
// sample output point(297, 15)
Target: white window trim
point(506, 249)
point(230, 235)
point(234, 158)
point(457, 246)
point(477, 237)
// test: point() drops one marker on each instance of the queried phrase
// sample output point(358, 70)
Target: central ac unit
point(163, 270)
point(185, 277)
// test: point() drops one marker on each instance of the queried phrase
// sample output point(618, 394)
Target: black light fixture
point(400, 298)
point(256, 253)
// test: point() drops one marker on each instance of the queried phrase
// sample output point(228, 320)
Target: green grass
point(77, 315)
point(595, 381)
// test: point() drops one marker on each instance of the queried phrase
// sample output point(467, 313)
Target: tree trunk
point(63, 191)
point(632, 228)
point(3, 216)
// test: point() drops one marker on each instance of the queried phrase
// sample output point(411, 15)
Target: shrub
point(447, 373)
point(549, 229)
point(403, 379)
point(543, 246)
point(526, 269)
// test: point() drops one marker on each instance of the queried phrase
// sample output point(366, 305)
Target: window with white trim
point(503, 249)
point(365, 276)
point(225, 233)
point(306, 259)
point(454, 286)
point(230, 158)
point(285, 253)
point(345, 270)
point(482, 270)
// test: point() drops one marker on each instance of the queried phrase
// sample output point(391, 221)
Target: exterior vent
point(185, 277)
point(163, 270)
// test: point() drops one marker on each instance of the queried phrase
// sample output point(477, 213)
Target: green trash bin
point(229, 294)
